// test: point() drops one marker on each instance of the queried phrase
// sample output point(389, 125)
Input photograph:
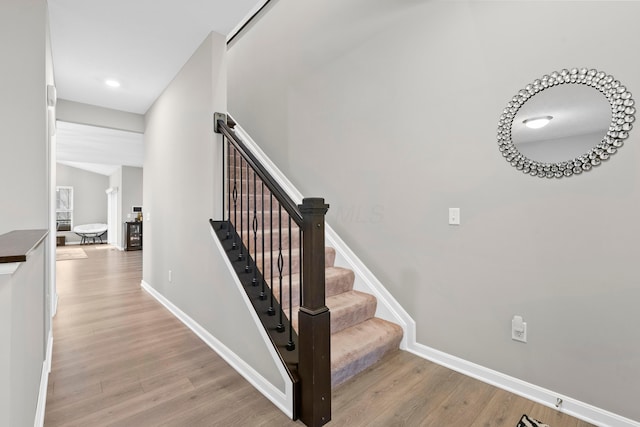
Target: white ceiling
point(141, 43)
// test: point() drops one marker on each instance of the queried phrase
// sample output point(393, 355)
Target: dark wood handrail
point(312, 366)
point(287, 203)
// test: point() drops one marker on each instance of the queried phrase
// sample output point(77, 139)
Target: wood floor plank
point(461, 408)
point(503, 410)
point(121, 359)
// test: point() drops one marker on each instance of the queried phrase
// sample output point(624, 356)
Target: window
point(64, 208)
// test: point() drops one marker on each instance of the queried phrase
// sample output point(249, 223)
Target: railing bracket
point(216, 118)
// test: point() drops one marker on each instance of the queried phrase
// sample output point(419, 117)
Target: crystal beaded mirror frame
point(622, 117)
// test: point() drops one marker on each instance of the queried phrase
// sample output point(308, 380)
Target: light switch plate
point(454, 216)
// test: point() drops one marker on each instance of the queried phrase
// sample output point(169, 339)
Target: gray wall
point(181, 178)
point(128, 181)
point(390, 109)
point(6, 288)
point(89, 197)
point(25, 194)
point(23, 164)
point(22, 317)
point(27, 344)
point(131, 191)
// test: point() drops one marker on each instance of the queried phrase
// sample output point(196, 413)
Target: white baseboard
point(280, 399)
point(543, 396)
point(44, 384)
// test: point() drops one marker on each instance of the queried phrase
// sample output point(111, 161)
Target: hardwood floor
point(121, 359)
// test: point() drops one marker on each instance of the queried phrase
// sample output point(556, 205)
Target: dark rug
point(527, 421)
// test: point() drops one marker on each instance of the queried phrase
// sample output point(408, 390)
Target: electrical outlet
point(518, 329)
point(520, 335)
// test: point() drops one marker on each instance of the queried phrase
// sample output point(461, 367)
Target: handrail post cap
point(313, 205)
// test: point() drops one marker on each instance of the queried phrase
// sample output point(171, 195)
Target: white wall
point(25, 194)
point(389, 110)
point(181, 192)
point(89, 197)
point(77, 112)
point(115, 181)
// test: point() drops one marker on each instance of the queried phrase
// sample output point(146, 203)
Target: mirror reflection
point(565, 123)
point(561, 123)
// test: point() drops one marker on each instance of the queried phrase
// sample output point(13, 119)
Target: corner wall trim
point(253, 13)
point(44, 384)
point(258, 381)
point(543, 396)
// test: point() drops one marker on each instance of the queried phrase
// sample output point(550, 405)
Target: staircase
point(331, 331)
point(358, 338)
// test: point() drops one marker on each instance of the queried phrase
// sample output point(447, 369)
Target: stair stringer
point(388, 307)
point(283, 400)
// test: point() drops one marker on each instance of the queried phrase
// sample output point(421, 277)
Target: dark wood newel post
point(314, 319)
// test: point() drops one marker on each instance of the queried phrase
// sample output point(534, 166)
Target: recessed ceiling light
point(537, 122)
point(112, 83)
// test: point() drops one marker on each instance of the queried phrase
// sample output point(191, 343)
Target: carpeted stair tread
point(350, 308)
point(358, 347)
point(272, 238)
point(244, 219)
point(336, 281)
point(347, 309)
point(329, 259)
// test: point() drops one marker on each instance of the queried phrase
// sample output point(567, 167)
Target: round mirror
point(565, 123)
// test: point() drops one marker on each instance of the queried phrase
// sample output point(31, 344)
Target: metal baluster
point(254, 281)
point(247, 266)
point(263, 295)
point(235, 200)
point(290, 344)
point(227, 153)
point(240, 254)
point(280, 327)
point(223, 176)
point(271, 311)
point(300, 237)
